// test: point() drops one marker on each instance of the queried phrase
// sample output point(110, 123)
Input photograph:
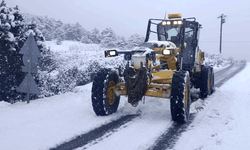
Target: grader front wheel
point(104, 98)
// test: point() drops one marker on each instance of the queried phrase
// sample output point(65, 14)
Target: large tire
point(180, 97)
point(205, 82)
point(212, 80)
point(104, 104)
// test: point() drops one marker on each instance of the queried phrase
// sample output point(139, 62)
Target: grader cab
point(167, 68)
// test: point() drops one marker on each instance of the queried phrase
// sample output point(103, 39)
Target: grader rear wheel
point(212, 80)
point(105, 101)
point(205, 85)
point(180, 97)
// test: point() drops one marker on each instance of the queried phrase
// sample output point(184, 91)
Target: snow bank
point(4, 104)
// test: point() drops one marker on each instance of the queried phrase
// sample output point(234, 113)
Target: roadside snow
point(4, 104)
point(224, 123)
point(49, 121)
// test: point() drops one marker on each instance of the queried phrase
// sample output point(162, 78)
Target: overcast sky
point(130, 16)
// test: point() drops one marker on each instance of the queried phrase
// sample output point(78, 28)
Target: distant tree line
point(53, 29)
point(15, 28)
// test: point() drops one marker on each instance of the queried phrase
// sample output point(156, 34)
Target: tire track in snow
point(168, 139)
point(94, 134)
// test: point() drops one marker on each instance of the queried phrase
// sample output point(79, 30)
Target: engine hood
point(166, 44)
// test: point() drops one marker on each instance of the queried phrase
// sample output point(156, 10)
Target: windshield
point(168, 33)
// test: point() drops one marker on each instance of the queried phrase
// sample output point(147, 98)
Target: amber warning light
point(170, 16)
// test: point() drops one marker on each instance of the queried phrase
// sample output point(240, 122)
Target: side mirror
point(110, 53)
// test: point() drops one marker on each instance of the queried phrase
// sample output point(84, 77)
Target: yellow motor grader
point(166, 68)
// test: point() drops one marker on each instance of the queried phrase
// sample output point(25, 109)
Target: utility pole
point(222, 20)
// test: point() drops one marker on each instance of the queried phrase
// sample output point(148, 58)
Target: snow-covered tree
point(73, 32)
point(108, 38)
point(12, 38)
point(59, 35)
point(135, 40)
point(95, 36)
point(10, 60)
point(121, 42)
point(85, 39)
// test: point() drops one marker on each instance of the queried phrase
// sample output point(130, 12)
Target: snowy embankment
point(46, 122)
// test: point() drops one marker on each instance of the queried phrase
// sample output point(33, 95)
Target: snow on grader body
point(168, 69)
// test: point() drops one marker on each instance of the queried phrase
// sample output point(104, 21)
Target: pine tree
point(85, 39)
point(121, 42)
point(108, 38)
point(95, 36)
point(59, 35)
point(78, 31)
point(9, 69)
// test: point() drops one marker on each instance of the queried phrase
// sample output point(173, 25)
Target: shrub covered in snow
point(73, 64)
point(216, 60)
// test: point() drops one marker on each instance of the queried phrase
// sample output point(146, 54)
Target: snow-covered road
point(44, 123)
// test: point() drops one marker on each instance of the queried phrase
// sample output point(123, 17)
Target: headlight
point(166, 52)
point(163, 23)
point(179, 22)
point(111, 53)
point(175, 22)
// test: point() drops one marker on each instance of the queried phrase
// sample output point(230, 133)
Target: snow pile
point(4, 104)
point(216, 60)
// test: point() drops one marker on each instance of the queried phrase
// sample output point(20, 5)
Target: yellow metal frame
point(162, 77)
point(200, 60)
point(111, 93)
point(160, 82)
point(154, 90)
